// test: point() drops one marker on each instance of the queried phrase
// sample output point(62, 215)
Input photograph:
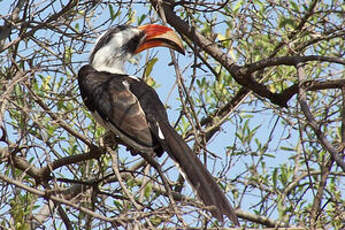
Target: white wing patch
point(125, 84)
point(134, 77)
point(160, 134)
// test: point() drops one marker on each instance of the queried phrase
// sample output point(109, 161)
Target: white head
point(117, 45)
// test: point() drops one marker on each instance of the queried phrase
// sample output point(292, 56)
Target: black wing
point(114, 106)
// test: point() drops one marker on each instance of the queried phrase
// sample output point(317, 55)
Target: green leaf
point(286, 21)
point(76, 27)
point(149, 67)
point(274, 177)
point(155, 220)
point(148, 190)
point(285, 148)
point(111, 12)
point(237, 6)
point(141, 19)
point(294, 6)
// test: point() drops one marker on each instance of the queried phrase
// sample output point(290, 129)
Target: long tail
point(196, 174)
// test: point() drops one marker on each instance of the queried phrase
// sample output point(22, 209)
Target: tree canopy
point(259, 96)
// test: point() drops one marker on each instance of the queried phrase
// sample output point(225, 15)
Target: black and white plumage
point(132, 110)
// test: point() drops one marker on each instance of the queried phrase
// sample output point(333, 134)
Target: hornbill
point(130, 109)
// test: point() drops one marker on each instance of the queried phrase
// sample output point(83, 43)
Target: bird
point(129, 108)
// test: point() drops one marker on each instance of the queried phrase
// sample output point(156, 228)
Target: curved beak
point(158, 35)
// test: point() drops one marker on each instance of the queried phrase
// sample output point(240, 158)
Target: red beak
point(158, 35)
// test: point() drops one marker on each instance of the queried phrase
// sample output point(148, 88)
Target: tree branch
point(288, 60)
point(313, 123)
point(43, 174)
point(312, 85)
